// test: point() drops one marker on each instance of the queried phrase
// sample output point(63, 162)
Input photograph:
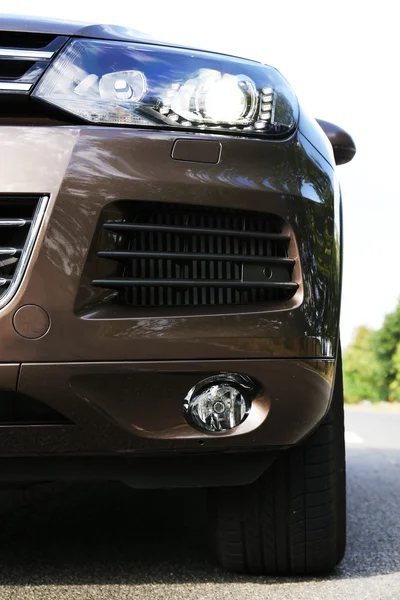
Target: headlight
point(153, 86)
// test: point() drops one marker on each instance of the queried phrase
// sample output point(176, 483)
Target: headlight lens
point(146, 85)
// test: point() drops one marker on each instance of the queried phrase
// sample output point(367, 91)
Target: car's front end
point(170, 266)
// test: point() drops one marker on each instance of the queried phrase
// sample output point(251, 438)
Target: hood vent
point(20, 219)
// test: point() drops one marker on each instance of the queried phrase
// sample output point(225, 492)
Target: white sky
point(342, 58)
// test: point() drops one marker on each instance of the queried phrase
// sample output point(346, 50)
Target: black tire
point(292, 521)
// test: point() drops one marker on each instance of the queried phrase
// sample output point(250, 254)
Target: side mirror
point(343, 144)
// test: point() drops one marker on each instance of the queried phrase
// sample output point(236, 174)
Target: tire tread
point(292, 520)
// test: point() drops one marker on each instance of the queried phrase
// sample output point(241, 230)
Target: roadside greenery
point(371, 363)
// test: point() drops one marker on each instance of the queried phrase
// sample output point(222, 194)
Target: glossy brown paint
point(137, 407)
point(120, 374)
point(84, 169)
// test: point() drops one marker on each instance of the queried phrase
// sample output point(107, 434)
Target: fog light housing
point(219, 403)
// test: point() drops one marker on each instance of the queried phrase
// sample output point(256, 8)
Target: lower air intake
point(187, 255)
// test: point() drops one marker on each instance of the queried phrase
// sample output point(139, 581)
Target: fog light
point(219, 403)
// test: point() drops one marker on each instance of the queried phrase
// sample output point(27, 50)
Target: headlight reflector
point(122, 85)
point(148, 85)
point(213, 97)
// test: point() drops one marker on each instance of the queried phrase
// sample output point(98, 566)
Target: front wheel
point(293, 519)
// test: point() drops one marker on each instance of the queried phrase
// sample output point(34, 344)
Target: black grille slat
point(121, 282)
point(122, 255)
point(188, 255)
point(22, 39)
point(13, 69)
point(118, 227)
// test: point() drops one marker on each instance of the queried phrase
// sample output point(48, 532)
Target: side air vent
point(185, 255)
point(24, 57)
point(20, 219)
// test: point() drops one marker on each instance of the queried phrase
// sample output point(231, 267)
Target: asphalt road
point(110, 542)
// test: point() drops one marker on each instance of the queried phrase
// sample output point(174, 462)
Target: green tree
point(394, 387)
point(385, 344)
point(362, 372)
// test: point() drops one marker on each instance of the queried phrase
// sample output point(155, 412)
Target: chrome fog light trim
point(219, 403)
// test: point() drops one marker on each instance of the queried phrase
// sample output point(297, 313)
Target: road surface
point(110, 542)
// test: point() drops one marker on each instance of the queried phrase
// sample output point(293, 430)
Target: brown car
point(170, 273)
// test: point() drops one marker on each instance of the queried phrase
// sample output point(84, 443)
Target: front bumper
point(156, 358)
point(132, 407)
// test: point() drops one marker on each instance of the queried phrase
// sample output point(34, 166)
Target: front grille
point(185, 255)
point(20, 218)
point(23, 59)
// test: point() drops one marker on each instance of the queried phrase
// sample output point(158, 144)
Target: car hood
point(30, 24)
point(76, 28)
